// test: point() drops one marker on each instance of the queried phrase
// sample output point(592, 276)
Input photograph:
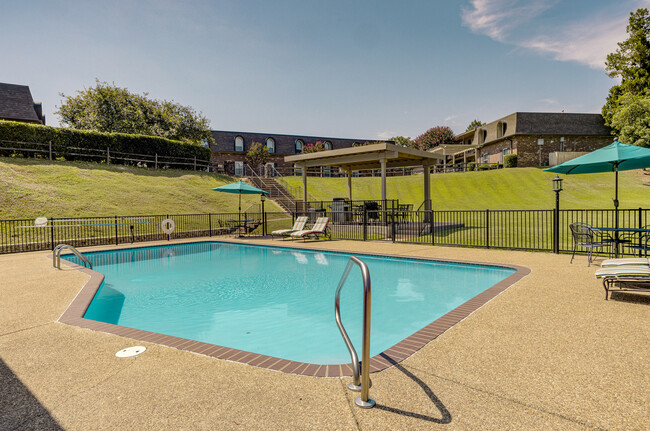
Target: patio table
point(617, 239)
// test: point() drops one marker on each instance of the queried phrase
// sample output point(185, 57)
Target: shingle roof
point(560, 123)
point(16, 103)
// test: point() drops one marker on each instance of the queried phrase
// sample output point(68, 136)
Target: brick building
point(533, 136)
point(16, 104)
point(230, 148)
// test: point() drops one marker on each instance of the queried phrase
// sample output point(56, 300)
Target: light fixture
point(557, 184)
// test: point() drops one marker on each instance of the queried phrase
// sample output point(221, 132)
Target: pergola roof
point(450, 149)
point(366, 157)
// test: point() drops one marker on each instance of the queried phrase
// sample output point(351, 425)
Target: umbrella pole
point(239, 217)
point(616, 210)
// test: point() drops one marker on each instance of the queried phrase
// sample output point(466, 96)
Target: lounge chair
point(625, 278)
point(626, 261)
point(298, 225)
point(319, 228)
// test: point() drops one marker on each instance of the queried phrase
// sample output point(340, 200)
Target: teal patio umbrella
point(241, 188)
point(612, 158)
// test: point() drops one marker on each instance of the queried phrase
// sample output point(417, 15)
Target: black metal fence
point(502, 229)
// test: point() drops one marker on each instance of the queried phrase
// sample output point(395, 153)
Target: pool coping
point(73, 315)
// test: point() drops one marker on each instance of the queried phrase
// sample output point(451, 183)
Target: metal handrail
point(361, 383)
point(56, 255)
point(278, 189)
point(293, 190)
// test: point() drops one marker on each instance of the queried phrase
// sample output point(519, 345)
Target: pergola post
point(382, 162)
point(304, 188)
point(350, 185)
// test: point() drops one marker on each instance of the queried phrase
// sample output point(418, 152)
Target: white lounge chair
point(319, 228)
point(298, 225)
point(625, 278)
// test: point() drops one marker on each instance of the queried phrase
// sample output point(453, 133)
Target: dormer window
point(239, 143)
point(270, 144)
point(327, 145)
point(299, 145)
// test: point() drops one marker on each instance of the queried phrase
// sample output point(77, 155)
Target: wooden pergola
point(376, 156)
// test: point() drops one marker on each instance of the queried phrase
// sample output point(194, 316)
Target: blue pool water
point(276, 301)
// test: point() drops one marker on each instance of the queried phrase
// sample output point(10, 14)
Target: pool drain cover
point(130, 351)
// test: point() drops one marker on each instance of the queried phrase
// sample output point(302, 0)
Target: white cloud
point(586, 41)
point(385, 135)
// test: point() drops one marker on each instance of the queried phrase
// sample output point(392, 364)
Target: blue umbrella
point(241, 188)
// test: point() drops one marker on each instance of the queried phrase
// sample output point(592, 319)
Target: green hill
point(519, 188)
point(31, 187)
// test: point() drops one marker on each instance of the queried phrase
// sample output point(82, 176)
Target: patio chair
point(586, 236)
point(298, 225)
point(643, 242)
point(625, 279)
point(250, 226)
point(319, 228)
point(224, 228)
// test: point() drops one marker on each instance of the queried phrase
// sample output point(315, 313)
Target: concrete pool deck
point(548, 353)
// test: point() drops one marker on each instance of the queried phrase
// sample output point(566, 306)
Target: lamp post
point(557, 188)
point(263, 216)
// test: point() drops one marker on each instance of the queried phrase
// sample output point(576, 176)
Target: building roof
point(16, 103)
point(366, 157)
point(560, 123)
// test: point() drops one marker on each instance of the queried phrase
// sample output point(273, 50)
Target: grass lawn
point(519, 188)
point(33, 187)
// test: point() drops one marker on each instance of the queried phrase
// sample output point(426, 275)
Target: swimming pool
point(276, 301)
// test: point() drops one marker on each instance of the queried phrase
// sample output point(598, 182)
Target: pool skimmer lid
point(130, 351)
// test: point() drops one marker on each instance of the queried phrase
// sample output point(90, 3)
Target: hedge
point(26, 133)
point(510, 161)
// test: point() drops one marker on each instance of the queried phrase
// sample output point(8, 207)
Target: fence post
point(156, 161)
point(116, 240)
point(365, 223)
point(432, 228)
point(210, 222)
point(487, 228)
point(52, 232)
point(640, 227)
point(556, 230)
point(50, 150)
point(108, 155)
point(393, 223)
point(195, 163)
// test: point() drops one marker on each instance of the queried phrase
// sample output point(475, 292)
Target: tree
point(474, 124)
point(313, 148)
point(402, 141)
point(631, 63)
point(433, 137)
point(108, 108)
point(632, 119)
point(257, 155)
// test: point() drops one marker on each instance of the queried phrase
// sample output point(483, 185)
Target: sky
point(349, 69)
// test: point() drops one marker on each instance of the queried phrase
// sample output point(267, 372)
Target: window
point(239, 143)
point(501, 129)
point(239, 168)
point(540, 141)
point(327, 145)
point(270, 144)
point(299, 144)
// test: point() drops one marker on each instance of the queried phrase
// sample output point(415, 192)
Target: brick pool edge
point(73, 315)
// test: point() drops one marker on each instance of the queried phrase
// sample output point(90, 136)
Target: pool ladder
point(361, 380)
point(56, 255)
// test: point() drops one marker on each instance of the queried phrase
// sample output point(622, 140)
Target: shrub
point(313, 148)
point(433, 137)
point(64, 142)
point(484, 167)
point(510, 161)
point(471, 166)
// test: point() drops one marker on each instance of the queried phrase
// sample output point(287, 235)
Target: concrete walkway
point(548, 353)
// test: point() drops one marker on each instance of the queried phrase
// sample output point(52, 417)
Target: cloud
point(586, 40)
point(385, 135)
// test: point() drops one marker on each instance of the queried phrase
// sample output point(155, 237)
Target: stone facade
point(519, 133)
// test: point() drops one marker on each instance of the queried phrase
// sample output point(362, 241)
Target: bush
point(484, 167)
point(471, 166)
point(25, 135)
point(510, 161)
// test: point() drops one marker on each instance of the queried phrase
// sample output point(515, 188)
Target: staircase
point(277, 192)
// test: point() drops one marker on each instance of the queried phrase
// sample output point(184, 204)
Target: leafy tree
point(108, 108)
point(433, 137)
point(402, 141)
point(631, 63)
point(257, 155)
point(632, 119)
point(474, 124)
point(313, 148)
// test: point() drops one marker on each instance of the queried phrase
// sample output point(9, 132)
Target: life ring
point(168, 226)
